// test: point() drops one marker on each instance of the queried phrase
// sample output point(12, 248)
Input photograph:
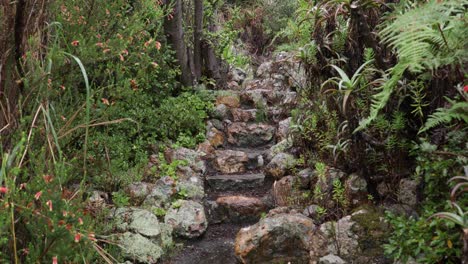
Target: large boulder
point(187, 218)
point(280, 165)
point(279, 238)
point(357, 238)
point(230, 161)
point(250, 135)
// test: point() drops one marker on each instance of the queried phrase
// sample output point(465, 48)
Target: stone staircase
point(244, 128)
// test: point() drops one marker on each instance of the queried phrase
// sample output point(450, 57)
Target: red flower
point(49, 203)
point(38, 195)
point(75, 43)
point(3, 189)
point(54, 260)
point(47, 178)
point(77, 237)
point(465, 89)
point(80, 221)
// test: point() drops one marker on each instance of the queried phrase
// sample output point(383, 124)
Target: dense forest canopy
point(97, 96)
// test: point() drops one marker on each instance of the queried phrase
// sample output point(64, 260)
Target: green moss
point(372, 231)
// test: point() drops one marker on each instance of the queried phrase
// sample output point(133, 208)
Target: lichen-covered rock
point(230, 161)
point(251, 135)
point(138, 191)
point(305, 177)
point(279, 238)
point(221, 112)
point(191, 188)
point(238, 75)
point(283, 190)
point(215, 137)
point(331, 259)
point(192, 157)
point(356, 189)
point(139, 248)
point(407, 194)
point(280, 147)
point(242, 115)
point(280, 165)
point(357, 238)
point(283, 129)
point(161, 193)
point(230, 100)
point(137, 221)
point(187, 218)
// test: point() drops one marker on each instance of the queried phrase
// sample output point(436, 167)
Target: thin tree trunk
point(173, 27)
point(197, 38)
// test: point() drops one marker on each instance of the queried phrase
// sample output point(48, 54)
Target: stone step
point(235, 182)
point(235, 209)
point(242, 134)
point(229, 161)
point(264, 97)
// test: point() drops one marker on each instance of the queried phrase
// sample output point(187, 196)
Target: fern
point(425, 37)
point(458, 111)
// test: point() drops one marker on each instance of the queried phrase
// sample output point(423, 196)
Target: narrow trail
point(237, 190)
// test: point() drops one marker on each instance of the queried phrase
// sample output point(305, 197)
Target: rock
point(230, 161)
point(356, 189)
point(187, 218)
point(281, 146)
point(230, 100)
point(280, 165)
point(283, 129)
point(305, 177)
point(233, 85)
point(235, 182)
point(215, 137)
point(192, 157)
point(191, 188)
point(331, 259)
point(357, 238)
point(251, 135)
point(138, 191)
point(325, 183)
point(238, 75)
point(282, 191)
point(221, 112)
point(383, 189)
point(205, 149)
point(98, 199)
point(161, 193)
point(241, 115)
point(311, 211)
point(264, 70)
point(239, 208)
point(280, 238)
point(254, 98)
point(407, 193)
point(341, 239)
point(136, 220)
point(139, 248)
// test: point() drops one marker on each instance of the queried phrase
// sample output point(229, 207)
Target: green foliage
point(426, 36)
point(457, 111)
point(339, 193)
point(427, 241)
point(120, 199)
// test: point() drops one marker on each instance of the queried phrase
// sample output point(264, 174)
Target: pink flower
point(3, 189)
point(47, 178)
point(38, 195)
point(465, 89)
point(49, 203)
point(158, 45)
point(54, 260)
point(77, 237)
point(75, 43)
point(80, 221)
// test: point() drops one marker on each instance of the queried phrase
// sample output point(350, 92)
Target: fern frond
point(458, 111)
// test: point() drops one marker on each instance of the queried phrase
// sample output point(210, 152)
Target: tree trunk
point(197, 38)
point(173, 27)
point(212, 63)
